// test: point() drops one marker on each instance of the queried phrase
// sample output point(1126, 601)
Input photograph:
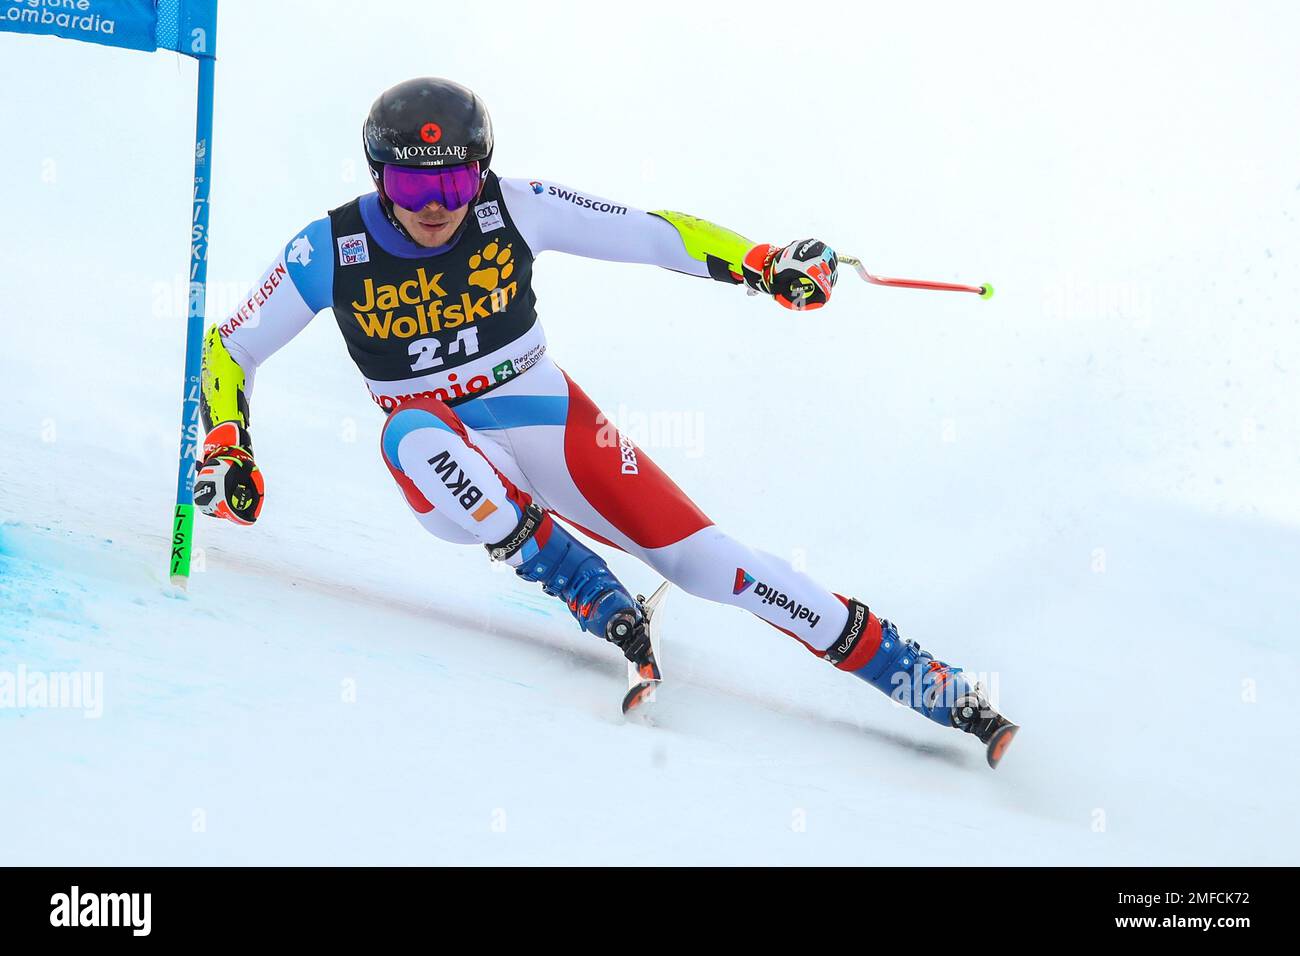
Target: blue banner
point(126, 23)
point(186, 26)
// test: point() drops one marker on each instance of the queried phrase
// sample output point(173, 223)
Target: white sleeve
point(279, 306)
point(272, 313)
point(551, 216)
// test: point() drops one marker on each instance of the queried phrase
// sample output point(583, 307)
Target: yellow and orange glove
point(799, 276)
point(228, 484)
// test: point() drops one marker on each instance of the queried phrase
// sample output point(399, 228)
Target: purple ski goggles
point(414, 187)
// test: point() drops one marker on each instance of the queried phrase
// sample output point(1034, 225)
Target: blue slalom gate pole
point(188, 27)
point(191, 427)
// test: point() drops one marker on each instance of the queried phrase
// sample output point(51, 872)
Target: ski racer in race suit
point(429, 278)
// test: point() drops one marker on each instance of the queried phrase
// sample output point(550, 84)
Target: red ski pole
point(984, 291)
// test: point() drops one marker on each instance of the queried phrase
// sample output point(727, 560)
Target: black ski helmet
point(426, 121)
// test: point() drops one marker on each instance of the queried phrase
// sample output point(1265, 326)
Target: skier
point(430, 280)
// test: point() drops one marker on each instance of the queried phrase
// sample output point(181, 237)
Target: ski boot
point(871, 649)
point(974, 715)
point(566, 568)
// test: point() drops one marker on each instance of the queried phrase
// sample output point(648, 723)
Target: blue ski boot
point(566, 568)
point(870, 648)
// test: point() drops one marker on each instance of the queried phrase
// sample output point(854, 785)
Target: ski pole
point(984, 291)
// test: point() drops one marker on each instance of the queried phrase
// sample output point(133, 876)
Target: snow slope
point(1085, 487)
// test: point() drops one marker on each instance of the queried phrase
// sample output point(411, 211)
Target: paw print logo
point(491, 267)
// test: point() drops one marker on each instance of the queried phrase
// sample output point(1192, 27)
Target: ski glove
point(799, 276)
point(228, 484)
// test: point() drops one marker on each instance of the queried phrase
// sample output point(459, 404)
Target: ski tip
point(651, 604)
point(636, 695)
point(999, 743)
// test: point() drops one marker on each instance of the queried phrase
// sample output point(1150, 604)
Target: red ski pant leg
point(604, 484)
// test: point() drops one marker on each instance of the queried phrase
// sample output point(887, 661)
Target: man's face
point(433, 225)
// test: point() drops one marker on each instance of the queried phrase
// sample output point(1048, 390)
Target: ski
point(642, 680)
point(999, 741)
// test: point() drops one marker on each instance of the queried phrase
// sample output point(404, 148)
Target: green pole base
point(182, 544)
